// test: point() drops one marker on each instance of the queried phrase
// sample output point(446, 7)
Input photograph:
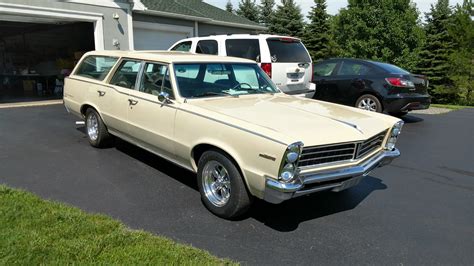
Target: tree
point(287, 19)
point(248, 9)
point(384, 30)
point(436, 52)
point(317, 36)
point(461, 61)
point(229, 7)
point(266, 11)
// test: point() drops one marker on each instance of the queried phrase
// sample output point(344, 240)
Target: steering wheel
point(240, 84)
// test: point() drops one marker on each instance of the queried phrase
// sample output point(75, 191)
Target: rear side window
point(249, 49)
point(183, 47)
point(96, 67)
point(207, 47)
point(287, 50)
point(324, 69)
point(354, 69)
point(126, 74)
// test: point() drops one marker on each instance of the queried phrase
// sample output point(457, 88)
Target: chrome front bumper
point(334, 180)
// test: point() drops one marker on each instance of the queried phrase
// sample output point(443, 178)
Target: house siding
point(210, 29)
point(163, 20)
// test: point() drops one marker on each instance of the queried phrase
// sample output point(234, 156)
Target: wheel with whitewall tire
point(369, 102)
point(221, 185)
point(96, 130)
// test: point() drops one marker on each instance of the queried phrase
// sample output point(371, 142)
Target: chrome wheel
point(216, 183)
point(367, 104)
point(92, 127)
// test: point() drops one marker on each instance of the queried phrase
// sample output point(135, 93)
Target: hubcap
point(216, 183)
point(92, 127)
point(368, 104)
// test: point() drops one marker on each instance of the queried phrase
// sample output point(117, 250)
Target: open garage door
point(35, 56)
point(152, 36)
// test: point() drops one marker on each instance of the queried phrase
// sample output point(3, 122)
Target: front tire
point(222, 188)
point(96, 130)
point(369, 102)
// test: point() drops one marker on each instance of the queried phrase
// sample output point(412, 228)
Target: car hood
point(290, 119)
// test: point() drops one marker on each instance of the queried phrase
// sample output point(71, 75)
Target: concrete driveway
point(419, 210)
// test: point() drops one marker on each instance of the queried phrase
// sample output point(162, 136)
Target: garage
point(35, 56)
point(152, 36)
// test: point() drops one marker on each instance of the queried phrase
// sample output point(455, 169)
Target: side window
point(207, 47)
point(183, 46)
point(96, 67)
point(126, 74)
point(324, 69)
point(152, 79)
point(249, 49)
point(353, 69)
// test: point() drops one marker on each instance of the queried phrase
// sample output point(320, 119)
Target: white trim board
point(42, 12)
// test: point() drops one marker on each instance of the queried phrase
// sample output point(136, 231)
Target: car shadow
point(166, 167)
point(287, 216)
point(283, 217)
point(411, 119)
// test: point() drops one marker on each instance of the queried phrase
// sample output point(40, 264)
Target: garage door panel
point(148, 39)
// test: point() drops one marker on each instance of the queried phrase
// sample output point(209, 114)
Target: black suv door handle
point(132, 102)
point(101, 93)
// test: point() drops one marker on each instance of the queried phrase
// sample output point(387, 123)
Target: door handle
point(101, 93)
point(132, 102)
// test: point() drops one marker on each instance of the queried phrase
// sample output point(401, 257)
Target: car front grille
point(316, 155)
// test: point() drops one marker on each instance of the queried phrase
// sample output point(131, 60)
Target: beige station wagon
point(224, 119)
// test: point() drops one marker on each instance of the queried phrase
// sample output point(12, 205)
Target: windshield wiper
point(211, 93)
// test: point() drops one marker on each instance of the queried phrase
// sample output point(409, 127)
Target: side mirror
point(164, 97)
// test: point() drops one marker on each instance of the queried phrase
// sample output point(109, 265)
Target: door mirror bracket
point(164, 97)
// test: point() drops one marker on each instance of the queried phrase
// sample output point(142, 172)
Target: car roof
point(238, 36)
point(170, 56)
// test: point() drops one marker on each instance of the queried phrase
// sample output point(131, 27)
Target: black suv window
point(324, 69)
point(249, 49)
point(354, 69)
point(287, 50)
point(126, 74)
point(207, 47)
point(96, 67)
point(183, 46)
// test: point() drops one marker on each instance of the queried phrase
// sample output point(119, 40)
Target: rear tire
point(370, 103)
point(96, 131)
point(221, 185)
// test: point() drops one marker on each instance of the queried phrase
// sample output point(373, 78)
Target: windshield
point(392, 68)
point(221, 79)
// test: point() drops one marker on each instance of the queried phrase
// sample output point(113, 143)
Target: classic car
point(224, 119)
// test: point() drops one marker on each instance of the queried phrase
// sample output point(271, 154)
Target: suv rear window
point(243, 48)
point(96, 67)
point(287, 51)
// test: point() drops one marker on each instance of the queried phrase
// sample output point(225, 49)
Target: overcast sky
point(334, 5)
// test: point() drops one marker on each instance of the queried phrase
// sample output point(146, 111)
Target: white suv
point(284, 59)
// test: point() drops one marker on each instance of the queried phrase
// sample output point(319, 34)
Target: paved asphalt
point(419, 210)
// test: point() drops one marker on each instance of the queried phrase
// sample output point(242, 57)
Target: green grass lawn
point(35, 231)
point(451, 106)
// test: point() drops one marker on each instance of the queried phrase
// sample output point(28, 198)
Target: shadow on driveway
point(284, 217)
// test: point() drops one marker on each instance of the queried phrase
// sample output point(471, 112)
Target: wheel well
point(84, 109)
point(200, 149)
point(373, 94)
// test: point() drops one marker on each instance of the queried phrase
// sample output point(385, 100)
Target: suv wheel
point(369, 102)
point(220, 183)
point(96, 130)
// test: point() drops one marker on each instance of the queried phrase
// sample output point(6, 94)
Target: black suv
point(370, 85)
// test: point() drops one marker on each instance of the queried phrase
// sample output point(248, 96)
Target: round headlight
point(396, 131)
point(288, 172)
point(291, 157)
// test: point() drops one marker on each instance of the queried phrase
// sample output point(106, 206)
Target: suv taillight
point(267, 68)
point(399, 82)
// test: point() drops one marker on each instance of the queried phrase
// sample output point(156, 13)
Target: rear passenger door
point(151, 122)
point(118, 98)
point(350, 81)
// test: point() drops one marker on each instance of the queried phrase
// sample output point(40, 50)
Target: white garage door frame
point(163, 27)
point(64, 14)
